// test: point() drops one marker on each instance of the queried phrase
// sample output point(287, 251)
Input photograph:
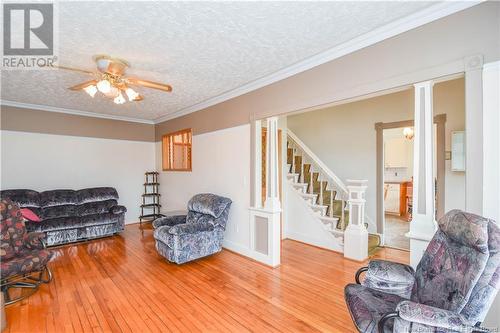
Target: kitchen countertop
point(397, 181)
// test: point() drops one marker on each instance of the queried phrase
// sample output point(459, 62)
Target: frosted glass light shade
point(104, 86)
point(91, 90)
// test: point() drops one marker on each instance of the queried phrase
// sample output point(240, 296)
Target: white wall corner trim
point(392, 29)
point(73, 111)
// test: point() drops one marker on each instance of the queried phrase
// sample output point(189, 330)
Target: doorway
point(394, 178)
point(398, 185)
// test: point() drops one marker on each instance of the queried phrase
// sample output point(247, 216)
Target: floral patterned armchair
point(451, 290)
point(200, 233)
point(23, 255)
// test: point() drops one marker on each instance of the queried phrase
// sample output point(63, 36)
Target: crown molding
point(491, 65)
point(73, 111)
point(392, 29)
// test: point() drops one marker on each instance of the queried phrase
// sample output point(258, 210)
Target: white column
point(423, 225)
point(356, 235)
point(491, 161)
point(272, 172)
point(474, 134)
point(257, 144)
point(265, 222)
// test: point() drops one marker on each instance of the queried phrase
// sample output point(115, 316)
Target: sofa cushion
point(447, 272)
point(208, 203)
point(467, 229)
point(12, 229)
point(368, 305)
point(24, 198)
point(96, 194)
point(58, 198)
point(96, 207)
point(57, 211)
point(195, 218)
point(30, 261)
point(99, 219)
point(58, 223)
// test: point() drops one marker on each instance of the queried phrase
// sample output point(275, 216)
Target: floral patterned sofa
point(69, 216)
point(451, 289)
point(183, 238)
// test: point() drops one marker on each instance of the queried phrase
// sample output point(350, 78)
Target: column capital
point(423, 84)
point(473, 62)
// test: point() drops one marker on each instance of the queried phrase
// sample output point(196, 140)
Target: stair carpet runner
point(333, 212)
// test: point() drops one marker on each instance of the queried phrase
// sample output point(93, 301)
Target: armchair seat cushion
point(367, 306)
point(25, 262)
point(177, 238)
point(391, 277)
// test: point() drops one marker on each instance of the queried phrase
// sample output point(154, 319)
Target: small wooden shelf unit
point(152, 205)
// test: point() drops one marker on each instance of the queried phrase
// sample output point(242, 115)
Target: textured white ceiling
point(203, 49)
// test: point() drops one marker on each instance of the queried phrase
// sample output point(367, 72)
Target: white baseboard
point(247, 252)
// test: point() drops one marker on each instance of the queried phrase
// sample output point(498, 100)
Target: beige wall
point(430, 51)
point(344, 137)
point(36, 121)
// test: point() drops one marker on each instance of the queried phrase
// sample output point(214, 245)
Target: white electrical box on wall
point(458, 151)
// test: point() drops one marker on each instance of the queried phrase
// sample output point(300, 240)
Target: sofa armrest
point(117, 209)
point(190, 228)
point(169, 221)
point(390, 277)
point(35, 240)
point(434, 317)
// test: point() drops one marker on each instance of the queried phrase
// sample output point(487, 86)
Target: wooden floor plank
point(120, 284)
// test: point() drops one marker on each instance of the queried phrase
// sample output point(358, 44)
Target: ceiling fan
point(110, 80)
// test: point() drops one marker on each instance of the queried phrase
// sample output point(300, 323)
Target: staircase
point(322, 191)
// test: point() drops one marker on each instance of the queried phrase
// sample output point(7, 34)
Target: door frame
point(440, 122)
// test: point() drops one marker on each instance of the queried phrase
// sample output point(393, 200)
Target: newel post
point(356, 235)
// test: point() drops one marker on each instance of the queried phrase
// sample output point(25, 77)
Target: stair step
point(300, 186)
point(309, 197)
point(293, 176)
point(319, 208)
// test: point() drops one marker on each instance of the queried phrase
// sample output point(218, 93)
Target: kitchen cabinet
point(395, 198)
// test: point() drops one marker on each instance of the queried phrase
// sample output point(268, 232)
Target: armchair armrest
point(118, 209)
point(434, 317)
point(389, 277)
point(35, 241)
point(190, 228)
point(169, 221)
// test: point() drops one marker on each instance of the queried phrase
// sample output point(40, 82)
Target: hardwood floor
point(120, 284)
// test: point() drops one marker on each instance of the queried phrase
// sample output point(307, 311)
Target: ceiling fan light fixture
point(91, 90)
point(119, 99)
point(131, 94)
point(104, 86)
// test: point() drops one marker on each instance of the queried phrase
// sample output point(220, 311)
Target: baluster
point(331, 203)
point(301, 177)
point(342, 222)
point(320, 189)
point(293, 159)
point(311, 184)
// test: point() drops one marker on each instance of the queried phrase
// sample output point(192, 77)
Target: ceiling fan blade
point(83, 85)
point(74, 69)
point(149, 84)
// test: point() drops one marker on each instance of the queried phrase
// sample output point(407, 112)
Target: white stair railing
point(335, 183)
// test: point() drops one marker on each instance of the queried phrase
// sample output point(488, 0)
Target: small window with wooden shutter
point(176, 151)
